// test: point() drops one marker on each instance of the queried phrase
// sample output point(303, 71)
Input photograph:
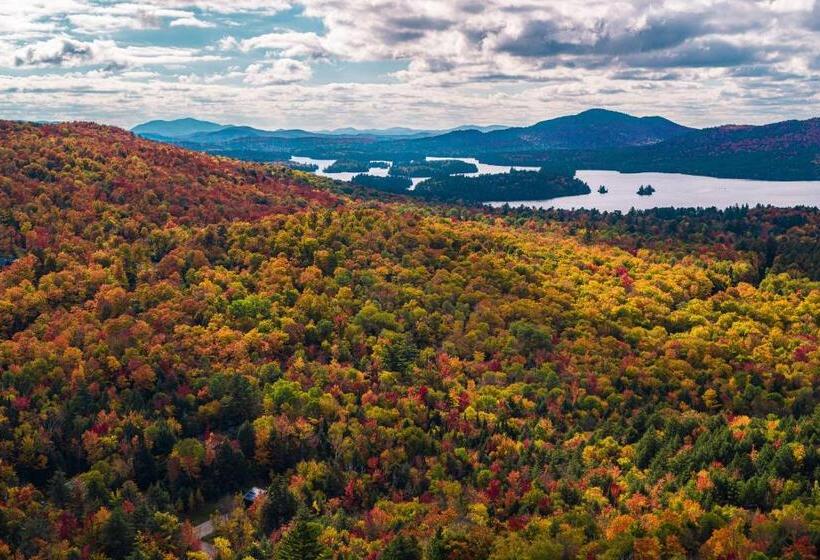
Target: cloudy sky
point(421, 63)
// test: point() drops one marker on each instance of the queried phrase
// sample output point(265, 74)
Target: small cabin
point(252, 495)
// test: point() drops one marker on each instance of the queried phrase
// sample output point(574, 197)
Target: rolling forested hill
point(406, 380)
point(784, 151)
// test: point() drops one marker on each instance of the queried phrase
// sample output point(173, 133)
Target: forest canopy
point(405, 380)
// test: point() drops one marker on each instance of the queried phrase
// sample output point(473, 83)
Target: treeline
point(434, 168)
point(516, 185)
point(354, 166)
point(395, 185)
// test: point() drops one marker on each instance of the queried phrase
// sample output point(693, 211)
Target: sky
point(431, 64)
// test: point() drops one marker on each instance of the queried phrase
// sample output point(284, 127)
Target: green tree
point(247, 439)
point(117, 537)
point(280, 505)
point(400, 353)
point(301, 542)
point(402, 548)
point(58, 489)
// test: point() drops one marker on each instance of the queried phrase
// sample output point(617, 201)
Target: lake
point(483, 168)
point(323, 164)
point(671, 189)
point(680, 191)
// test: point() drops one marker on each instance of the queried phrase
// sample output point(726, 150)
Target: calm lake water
point(483, 168)
point(671, 189)
point(680, 191)
point(323, 164)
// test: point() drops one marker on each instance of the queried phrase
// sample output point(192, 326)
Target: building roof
point(252, 494)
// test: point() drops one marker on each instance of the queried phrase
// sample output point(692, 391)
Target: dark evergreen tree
point(145, 467)
point(247, 439)
point(402, 548)
point(437, 549)
point(229, 468)
point(58, 490)
point(280, 505)
point(401, 353)
point(117, 538)
point(301, 542)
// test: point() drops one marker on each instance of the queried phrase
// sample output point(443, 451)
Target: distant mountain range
point(408, 132)
point(593, 139)
point(176, 128)
point(594, 129)
point(205, 132)
point(189, 129)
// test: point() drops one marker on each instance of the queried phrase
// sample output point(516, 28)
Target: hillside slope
point(81, 174)
point(176, 328)
point(784, 151)
point(788, 150)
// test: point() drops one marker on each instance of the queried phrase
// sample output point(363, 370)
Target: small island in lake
point(350, 166)
point(646, 190)
point(306, 167)
point(603, 190)
point(513, 186)
point(433, 168)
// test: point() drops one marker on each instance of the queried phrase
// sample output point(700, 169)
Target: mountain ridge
point(593, 139)
point(192, 129)
point(590, 129)
point(176, 127)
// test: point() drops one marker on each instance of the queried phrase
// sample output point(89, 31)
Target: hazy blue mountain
point(206, 132)
point(176, 128)
point(488, 128)
point(230, 133)
point(591, 130)
point(399, 131)
point(394, 131)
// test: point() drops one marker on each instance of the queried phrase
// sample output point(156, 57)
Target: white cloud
point(96, 19)
point(287, 43)
point(191, 22)
point(279, 71)
point(59, 51)
point(93, 23)
point(66, 52)
point(228, 6)
point(511, 61)
point(227, 43)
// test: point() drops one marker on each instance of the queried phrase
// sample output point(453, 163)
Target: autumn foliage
point(408, 381)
